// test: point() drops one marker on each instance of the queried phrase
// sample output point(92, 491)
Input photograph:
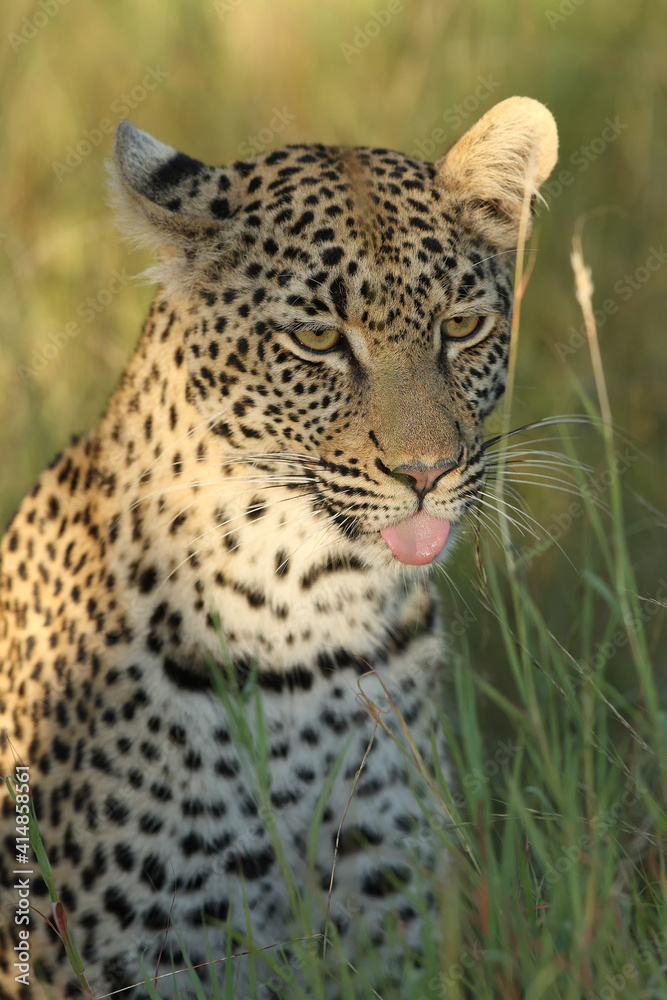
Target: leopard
point(222, 647)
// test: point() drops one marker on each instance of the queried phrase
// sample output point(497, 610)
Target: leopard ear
point(166, 199)
point(509, 152)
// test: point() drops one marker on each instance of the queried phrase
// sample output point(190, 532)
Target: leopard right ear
point(166, 199)
point(506, 155)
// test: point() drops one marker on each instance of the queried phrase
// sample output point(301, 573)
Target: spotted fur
point(227, 510)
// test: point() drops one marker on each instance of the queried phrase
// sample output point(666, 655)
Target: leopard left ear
point(168, 200)
point(507, 154)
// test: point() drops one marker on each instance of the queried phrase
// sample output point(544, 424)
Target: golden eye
point(458, 327)
point(317, 340)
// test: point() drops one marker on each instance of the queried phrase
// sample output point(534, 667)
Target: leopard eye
point(459, 327)
point(317, 340)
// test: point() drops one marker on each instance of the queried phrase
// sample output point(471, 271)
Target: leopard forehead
point(366, 235)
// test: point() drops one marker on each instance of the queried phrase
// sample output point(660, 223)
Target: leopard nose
point(423, 478)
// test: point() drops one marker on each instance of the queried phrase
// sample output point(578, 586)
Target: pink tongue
point(418, 540)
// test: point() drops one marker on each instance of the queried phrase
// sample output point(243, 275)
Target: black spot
point(226, 769)
point(298, 678)
point(255, 509)
point(150, 751)
point(184, 678)
point(277, 157)
point(381, 883)
point(334, 722)
point(99, 760)
point(331, 660)
point(61, 750)
point(192, 844)
point(177, 735)
point(332, 256)
point(282, 563)
point(147, 580)
point(150, 823)
point(174, 170)
point(116, 810)
point(117, 903)
point(156, 918)
point(354, 838)
point(338, 290)
point(153, 871)
point(158, 615)
point(286, 797)
point(192, 760)
point(192, 807)
point(304, 220)
point(220, 208)
point(161, 791)
point(432, 244)
point(124, 856)
point(252, 866)
point(215, 910)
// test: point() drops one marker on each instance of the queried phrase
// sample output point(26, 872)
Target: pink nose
point(423, 478)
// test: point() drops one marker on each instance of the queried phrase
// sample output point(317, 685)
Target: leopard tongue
point(418, 540)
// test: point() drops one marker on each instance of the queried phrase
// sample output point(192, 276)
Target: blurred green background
point(222, 79)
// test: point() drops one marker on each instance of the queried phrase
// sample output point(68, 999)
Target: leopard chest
point(200, 800)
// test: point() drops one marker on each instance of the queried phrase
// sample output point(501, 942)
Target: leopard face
point(348, 307)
